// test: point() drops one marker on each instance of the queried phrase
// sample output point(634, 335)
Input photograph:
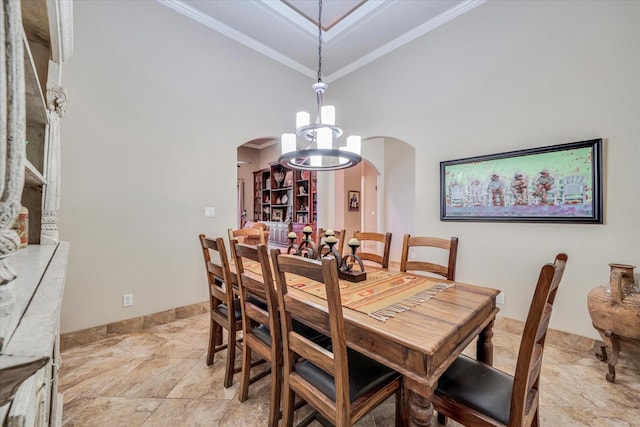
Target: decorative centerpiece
point(293, 248)
point(307, 247)
point(345, 271)
point(329, 242)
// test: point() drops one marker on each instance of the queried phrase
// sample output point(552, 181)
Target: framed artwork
point(559, 183)
point(277, 215)
point(353, 201)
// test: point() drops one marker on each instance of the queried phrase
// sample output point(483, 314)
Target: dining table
point(416, 324)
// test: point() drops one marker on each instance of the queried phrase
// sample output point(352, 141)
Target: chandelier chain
point(320, 41)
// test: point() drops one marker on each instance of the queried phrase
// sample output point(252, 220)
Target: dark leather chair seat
point(478, 386)
point(365, 374)
point(223, 309)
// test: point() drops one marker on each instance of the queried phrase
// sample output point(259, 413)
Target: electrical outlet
point(500, 298)
point(209, 211)
point(127, 300)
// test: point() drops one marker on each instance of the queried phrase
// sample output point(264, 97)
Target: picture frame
point(353, 201)
point(559, 183)
point(277, 215)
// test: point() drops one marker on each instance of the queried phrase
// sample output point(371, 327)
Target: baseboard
point(555, 338)
point(127, 326)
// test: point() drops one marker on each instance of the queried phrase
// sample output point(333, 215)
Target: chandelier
point(318, 150)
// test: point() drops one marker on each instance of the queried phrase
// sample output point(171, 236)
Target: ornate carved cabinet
point(35, 40)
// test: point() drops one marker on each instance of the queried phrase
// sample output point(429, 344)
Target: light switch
point(209, 211)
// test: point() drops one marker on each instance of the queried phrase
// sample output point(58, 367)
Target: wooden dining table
point(421, 342)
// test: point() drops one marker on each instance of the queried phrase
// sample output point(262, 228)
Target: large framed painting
point(559, 183)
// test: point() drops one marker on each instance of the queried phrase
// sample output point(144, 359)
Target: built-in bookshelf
point(283, 196)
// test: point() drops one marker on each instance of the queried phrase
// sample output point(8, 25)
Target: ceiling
point(355, 33)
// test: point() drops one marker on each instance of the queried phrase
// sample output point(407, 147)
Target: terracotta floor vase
point(615, 313)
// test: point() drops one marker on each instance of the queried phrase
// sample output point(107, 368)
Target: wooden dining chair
point(474, 393)
point(250, 236)
point(339, 383)
point(224, 307)
point(385, 239)
point(260, 324)
point(340, 235)
point(450, 245)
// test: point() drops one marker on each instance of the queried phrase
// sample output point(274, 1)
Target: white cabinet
point(31, 279)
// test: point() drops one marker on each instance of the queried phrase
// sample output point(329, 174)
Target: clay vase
point(616, 308)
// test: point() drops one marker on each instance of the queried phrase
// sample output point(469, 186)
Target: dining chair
point(474, 393)
point(224, 310)
point(341, 384)
point(265, 228)
point(260, 324)
point(384, 239)
point(340, 235)
point(250, 236)
point(450, 245)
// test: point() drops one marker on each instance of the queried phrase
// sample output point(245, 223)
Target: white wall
point(508, 76)
point(159, 104)
point(157, 107)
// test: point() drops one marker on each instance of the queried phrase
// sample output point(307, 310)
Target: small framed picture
point(353, 201)
point(277, 215)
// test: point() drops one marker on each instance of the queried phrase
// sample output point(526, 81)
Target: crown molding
point(282, 9)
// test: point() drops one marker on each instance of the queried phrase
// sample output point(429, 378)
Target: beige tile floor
point(159, 378)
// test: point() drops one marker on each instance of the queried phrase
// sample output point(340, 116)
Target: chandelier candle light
point(317, 151)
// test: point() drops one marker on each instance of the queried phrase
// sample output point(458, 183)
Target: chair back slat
point(528, 365)
point(384, 239)
point(447, 271)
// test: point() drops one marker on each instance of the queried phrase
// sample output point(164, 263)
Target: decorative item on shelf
point(304, 175)
point(318, 151)
point(345, 271)
point(614, 312)
point(302, 191)
point(278, 177)
point(278, 201)
point(21, 225)
point(284, 199)
point(329, 241)
point(288, 179)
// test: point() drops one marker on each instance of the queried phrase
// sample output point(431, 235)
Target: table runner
point(381, 296)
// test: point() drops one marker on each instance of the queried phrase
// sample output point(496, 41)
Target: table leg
point(420, 409)
point(484, 349)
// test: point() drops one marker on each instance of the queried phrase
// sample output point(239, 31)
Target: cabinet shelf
point(35, 102)
point(32, 176)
